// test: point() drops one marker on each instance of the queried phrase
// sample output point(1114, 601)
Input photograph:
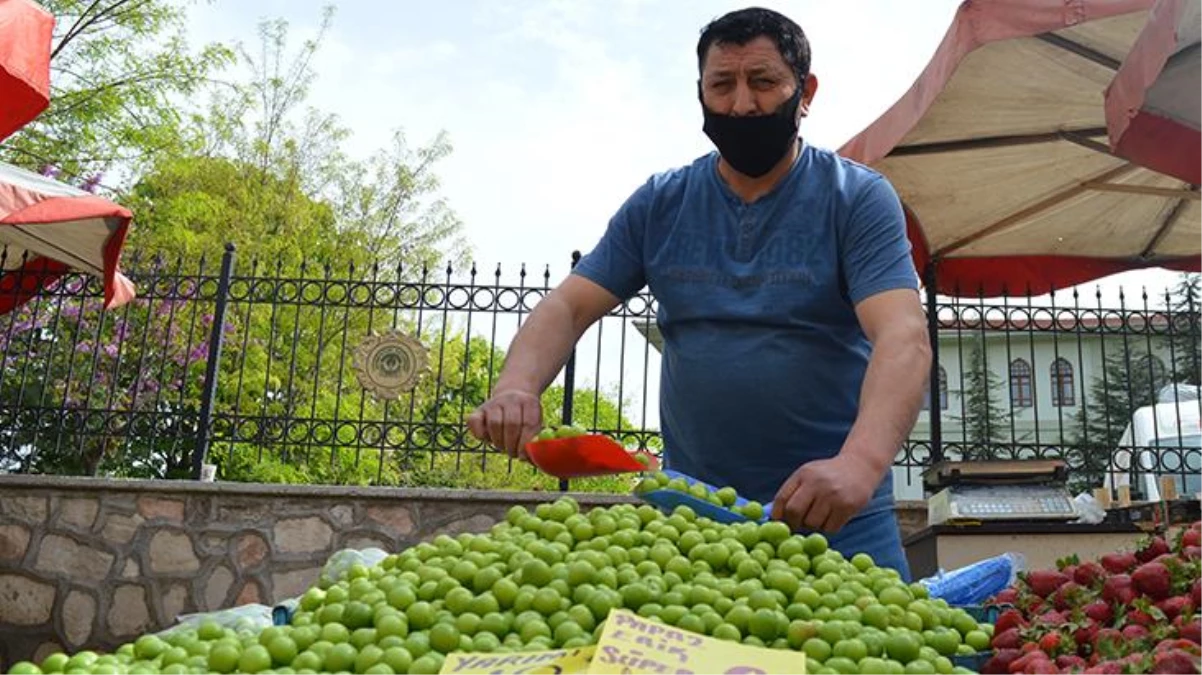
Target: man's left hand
point(823, 495)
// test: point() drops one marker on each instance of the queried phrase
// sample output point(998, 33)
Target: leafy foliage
point(119, 69)
point(983, 418)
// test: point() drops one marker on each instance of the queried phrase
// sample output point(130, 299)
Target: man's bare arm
point(894, 383)
point(513, 414)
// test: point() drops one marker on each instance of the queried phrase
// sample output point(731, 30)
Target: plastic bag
point(1090, 511)
point(342, 561)
point(253, 618)
point(975, 583)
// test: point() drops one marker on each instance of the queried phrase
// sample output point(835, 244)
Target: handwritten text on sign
point(634, 645)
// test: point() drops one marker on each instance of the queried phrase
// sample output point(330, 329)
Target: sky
point(559, 109)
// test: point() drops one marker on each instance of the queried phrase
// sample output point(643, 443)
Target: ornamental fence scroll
point(259, 369)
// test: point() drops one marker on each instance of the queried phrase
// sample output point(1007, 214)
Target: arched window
point(1062, 384)
point(1021, 394)
point(926, 400)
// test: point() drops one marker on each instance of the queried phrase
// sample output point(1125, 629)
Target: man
point(795, 351)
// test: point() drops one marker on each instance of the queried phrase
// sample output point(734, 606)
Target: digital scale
point(998, 491)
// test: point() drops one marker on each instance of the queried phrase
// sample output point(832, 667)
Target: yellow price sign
point(633, 645)
point(552, 662)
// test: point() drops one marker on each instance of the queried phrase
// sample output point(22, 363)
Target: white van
point(1166, 439)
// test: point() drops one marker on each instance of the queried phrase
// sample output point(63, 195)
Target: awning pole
point(933, 408)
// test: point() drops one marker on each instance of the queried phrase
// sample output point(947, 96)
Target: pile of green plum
point(549, 577)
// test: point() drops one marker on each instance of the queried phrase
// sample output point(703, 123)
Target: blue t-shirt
point(763, 356)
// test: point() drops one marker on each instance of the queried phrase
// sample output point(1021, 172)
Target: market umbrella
point(1153, 105)
point(48, 228)
point(999, 152)
point(25, 37)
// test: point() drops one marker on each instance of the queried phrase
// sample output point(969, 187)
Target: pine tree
point(1185, 314)
point(1130, 380)
point(983, 420)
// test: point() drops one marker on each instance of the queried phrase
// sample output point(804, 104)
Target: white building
point(1044, 369)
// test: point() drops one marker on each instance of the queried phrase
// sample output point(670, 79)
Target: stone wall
point(92, 563)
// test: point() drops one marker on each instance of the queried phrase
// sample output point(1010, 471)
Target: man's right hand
point(508, 421)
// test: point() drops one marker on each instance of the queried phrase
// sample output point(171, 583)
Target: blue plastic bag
point(975, 583)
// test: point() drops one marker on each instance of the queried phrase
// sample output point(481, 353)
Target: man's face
point(750, 79)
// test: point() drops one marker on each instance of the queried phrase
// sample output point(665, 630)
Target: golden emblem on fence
point(389, 364)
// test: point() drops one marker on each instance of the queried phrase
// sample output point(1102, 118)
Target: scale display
point(1000, 502)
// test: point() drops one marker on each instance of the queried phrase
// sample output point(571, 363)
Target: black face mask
point(752, 145)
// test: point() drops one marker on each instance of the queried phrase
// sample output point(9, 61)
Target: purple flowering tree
point(114, 393)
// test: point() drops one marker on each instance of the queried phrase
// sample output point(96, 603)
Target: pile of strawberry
point(1127, 613)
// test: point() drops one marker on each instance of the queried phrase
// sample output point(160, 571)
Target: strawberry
point(1020, 664)
point(1134, 631)
point(1088, 574)
point(1045, 582)
point(1170, 643)
point(1191, 552)
point(1067, 661)
point(1006, 596)
point(1174, 661)
point(999, 663)
point(1118, 563)
point(1191, 537)
point(1175, 606)
point(1010, 618)
point(1106, 668)
point(1099, 611)
point(1153, 580)
point(1151, 549)
point(1138, 617)
point(1192, 631)
point(1084, 637)
point(1051, 643)
point(1118, 589)
point(1007, 639)
point(1195, 592)
point(1068, 596)
point(1038, 667)
point(1051, 618)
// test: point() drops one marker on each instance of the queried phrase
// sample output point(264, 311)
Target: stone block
point(250, 593)
point(290, 584)
point(46, 649)
point(28, 509)
point(79, 617)
point(174, 601)
point(14, 540)
point(128, 614)
point(78, 512)
point(60, 555)
point(342, 515)
point(397, 520)
point(362, 540)
point(25, 601)
point(477, 523)
point(171, 510)
point(120, 528)
point(303, 535)
point(215, 590)
point(131, 570)
point(250, 550)
point(171, 553)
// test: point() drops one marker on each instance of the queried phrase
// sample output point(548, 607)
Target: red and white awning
point(26, 33)
point(1000, 152)
point(48, 228)
point(1153, 105)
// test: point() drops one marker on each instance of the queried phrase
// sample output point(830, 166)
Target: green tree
point(120, 69)
point(1185, 310)
point(983, 417)
point(1130, 380)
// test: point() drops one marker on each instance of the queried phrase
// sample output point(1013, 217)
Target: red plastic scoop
point(582, 456)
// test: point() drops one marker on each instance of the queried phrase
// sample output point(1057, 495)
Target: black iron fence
point(260, 369)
